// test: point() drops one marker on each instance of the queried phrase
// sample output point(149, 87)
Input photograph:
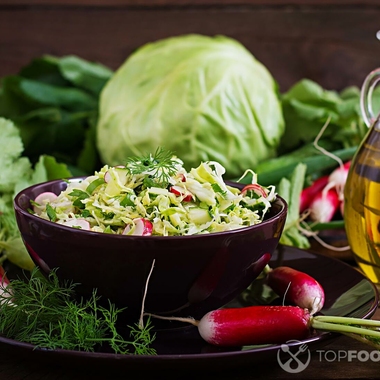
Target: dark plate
point(348, 293)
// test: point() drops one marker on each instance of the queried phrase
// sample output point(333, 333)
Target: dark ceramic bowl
point(192, 274)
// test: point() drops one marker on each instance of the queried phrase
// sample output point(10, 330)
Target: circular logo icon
point(287, 356)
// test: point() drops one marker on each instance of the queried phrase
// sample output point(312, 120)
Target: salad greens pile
point(159, 190)
point(307, 107)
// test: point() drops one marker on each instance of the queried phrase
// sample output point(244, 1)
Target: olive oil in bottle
point(362, 204)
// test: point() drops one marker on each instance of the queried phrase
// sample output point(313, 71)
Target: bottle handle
point(368, 86)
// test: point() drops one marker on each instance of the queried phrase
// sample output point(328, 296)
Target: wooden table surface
point(333, 42)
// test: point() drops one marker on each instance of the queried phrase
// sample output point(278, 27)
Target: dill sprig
point(159, 166)
point(44, 313)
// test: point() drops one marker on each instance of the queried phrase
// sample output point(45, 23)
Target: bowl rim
point(242, 230)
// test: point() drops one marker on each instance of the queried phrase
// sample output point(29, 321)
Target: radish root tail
point(179, 319)
point(141, 321)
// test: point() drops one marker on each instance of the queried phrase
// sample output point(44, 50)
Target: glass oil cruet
point(362, 190)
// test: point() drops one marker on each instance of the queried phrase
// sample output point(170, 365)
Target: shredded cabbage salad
point(157, 196)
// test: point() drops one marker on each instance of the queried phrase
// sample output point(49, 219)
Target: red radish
point(297, 287)
point(179, 191)
point(338, 178)
point(3, 277)
point(3, 282)
point(324, 206)
point(254, 325)
point(257, 189)
point(42, 199)
point(325, 196)
point(308, 193)
point(79, 223)
point(183, 177)
point(269, 324)
point(143, 227)
point(250, 325)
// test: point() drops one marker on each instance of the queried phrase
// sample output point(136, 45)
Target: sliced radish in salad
point(179, 191)
point(80, 223)
point(107, 175)
point(257, 189)
point(141, 227)
point(42, 199)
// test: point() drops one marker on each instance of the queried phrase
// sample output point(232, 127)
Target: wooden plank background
point(335, 43)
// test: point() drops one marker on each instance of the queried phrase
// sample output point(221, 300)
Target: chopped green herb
point(94, 184)
point(42, 312)
point(85, 213)
point(108, 215)
point(127, 201)
point(108, 230)
point(51, 213)
point(217, 188)
point(161, 165)
point(80, 196)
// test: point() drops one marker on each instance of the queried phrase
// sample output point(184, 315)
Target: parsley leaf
point(51, 213)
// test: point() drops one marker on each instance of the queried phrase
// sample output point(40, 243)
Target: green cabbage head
point(204, 98)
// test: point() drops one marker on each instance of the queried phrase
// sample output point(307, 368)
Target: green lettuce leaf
point(54, 103)
point(307, 107)
point(18, 173)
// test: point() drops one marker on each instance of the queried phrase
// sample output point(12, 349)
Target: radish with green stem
point(337, 179)
point(297, 288)
point(270, 324)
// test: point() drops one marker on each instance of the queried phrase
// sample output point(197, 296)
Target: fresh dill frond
point(159, 166)
point(44, 313)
